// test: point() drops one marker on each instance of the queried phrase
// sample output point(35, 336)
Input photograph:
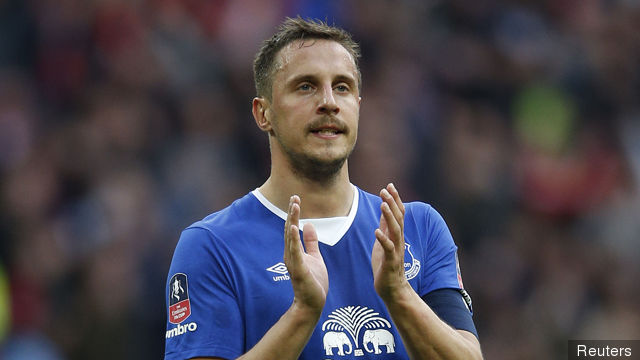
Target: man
point(369, 277)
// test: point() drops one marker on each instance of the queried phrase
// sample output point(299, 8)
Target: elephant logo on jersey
point(179, 305)
point(377, 338)
point(337, 339)
point(411, 264)
point(352, 320)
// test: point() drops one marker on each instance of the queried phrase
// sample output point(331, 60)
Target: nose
point(328, 104)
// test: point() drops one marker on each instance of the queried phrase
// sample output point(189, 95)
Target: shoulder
point(418, 207)
point(209, 241)
point(202, 234)
point(415, 211)
point(424, 222)
point(423, 214)
point(232, 216)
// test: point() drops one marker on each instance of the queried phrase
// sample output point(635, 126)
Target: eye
point(342, 88)
point(304, 87)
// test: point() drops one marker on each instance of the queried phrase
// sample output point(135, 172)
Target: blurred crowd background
point(123, 121)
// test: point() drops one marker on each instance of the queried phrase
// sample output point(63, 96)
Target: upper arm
point(440, 259)
point(442, 287)
point(469, 336)
point(472, 339)
point(451, 307)
point(211, 324)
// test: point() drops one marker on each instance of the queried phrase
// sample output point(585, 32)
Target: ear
point(260, 110)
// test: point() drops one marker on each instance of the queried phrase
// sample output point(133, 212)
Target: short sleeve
point(441, 269)
point(203, 316)
point(452, 307)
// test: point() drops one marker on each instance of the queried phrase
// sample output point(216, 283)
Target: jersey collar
point(330, 230)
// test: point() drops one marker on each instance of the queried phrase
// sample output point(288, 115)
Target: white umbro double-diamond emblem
point(279, 268)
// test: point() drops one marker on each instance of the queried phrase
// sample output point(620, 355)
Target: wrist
point(397, 295)
point(304, 311)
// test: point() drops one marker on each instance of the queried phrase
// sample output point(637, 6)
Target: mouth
point(326, 133)
point(327, 129)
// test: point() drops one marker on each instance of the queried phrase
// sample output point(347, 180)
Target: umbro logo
point(281, 269)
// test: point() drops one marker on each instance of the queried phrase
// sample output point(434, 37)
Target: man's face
point(315, 106)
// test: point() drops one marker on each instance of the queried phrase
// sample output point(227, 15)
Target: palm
point(309, 276)
point(312, 279)
point(378, 258)
point(387, 256)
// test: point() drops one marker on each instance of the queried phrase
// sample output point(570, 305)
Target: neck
point(319, 199)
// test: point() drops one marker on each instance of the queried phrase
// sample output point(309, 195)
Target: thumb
point(310, 238)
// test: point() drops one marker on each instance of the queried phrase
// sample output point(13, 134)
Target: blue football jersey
point(228, 285)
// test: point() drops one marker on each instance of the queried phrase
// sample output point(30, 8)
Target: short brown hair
point(289, 31)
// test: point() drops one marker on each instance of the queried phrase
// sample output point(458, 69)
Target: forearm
point(424, 335)
point(287, 337)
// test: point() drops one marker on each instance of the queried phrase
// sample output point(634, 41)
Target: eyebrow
point(312, 78)
point(302, 78)
point(344, 78)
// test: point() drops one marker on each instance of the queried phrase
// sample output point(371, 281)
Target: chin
point(318, 168)
point(329, 158)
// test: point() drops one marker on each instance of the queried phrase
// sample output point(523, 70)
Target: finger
point(383, 223)
point(287, 222)
point(396, 196)
point(294, 210)
point(310, 237)
point(294, 229)
point(393, 205)
point(387, 245)
point(394, 228)
point(293, 214)
point(295, 246)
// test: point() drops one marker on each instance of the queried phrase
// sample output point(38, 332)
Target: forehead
point(314, 56)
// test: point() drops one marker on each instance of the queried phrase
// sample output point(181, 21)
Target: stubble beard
point(313, 168)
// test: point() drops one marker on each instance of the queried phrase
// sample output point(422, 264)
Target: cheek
point(282, 125)
point(284, 110)
point(353, 110)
